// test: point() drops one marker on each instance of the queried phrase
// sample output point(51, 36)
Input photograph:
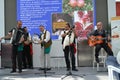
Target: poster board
point(115, 34)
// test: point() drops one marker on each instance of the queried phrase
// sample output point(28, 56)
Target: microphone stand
point(45, 68)
point(70, 71)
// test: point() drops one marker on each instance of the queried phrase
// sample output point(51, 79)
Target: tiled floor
point(84, 73)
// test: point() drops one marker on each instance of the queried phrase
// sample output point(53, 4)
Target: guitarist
point(100, 32)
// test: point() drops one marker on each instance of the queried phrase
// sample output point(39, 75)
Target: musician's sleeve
point(29, 36)
point(11, 30)
point(9, 35)
point(107, 35)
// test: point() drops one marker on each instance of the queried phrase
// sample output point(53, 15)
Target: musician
point(101, 32)
point(68, 41)
point(46, 42)
point(27, 56)
point(17, 36)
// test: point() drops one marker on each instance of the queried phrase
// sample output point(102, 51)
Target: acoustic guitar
point(93, 40)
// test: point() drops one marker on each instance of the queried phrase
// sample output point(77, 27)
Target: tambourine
point(35, 38)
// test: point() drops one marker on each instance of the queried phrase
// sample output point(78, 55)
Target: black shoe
point(97, 60)
point(24, 68)
point(12, 71)
point(48, 68)
point(45, 69)
point(74, 69)
point(68, 69)
point(19, 71)
point(41, 68)
point(30, 67)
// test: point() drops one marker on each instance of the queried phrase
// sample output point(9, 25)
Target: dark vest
point(64, 38)
point(46, 44)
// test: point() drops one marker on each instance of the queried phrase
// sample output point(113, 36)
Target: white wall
point(111, 9)
point(2, 25)
point(1, 22)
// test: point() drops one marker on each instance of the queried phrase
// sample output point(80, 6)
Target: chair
point(102, 57)
point(113, 68)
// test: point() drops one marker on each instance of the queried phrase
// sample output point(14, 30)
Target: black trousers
point(27, 57)
point(16, 55)
point(69, 57)
point(105, 47)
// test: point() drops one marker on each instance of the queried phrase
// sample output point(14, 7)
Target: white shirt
point(47, 37)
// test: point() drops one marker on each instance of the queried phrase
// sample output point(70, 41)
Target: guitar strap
point(47, 44)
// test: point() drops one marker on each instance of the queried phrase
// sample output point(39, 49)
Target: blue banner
point(37, 12)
